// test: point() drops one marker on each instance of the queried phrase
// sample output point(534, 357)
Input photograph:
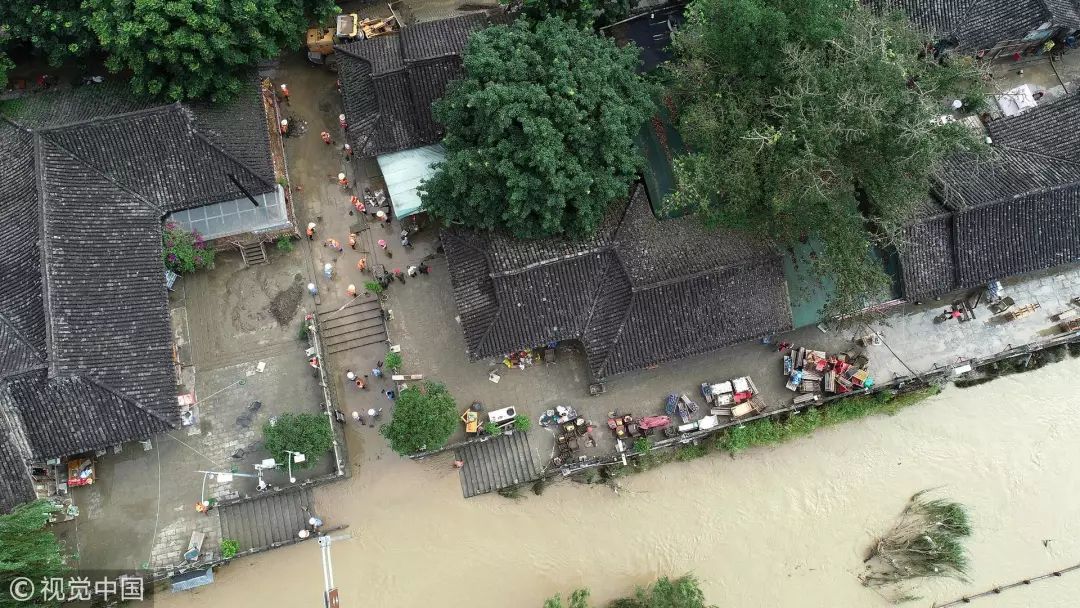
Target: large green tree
point(28, 549)
point(197, 49)
point(813, 121)
point(54, 29)
point(539, 132)
point(583, 12)
point(424, 418)
point(307, 433)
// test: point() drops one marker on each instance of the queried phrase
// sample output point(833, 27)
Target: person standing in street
point(284, 93)
point(311, 231)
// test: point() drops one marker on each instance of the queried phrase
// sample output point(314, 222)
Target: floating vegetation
point(925, 542)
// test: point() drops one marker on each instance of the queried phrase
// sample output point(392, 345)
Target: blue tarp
point(403, 171)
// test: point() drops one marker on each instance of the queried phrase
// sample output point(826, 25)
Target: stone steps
point(266, 521)
point(254, 253)
point(501, 462)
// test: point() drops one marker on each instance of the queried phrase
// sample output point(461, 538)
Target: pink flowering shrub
point(185, 251)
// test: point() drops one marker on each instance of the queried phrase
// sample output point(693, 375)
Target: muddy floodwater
point(783, 526)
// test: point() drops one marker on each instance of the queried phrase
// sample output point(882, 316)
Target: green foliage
point(284, 244)
point(187, 49)
point(304, 331)
point(491, 428)
point(539, 136)
point(307, 433)
point(811, 121)
point(691, 451)
point(582, 12)
point(373, 287)
point(6, 65)
point(424, 418)
point(522, 423)
point(229, 548)
point(54, 29)
point(578, 599)
point(393, 360)
point(185, 251)
point(683, 592)
point(769, 431)
point(642, 445)
point(28, 549)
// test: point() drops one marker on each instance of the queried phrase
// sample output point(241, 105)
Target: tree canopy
point(583, 12)
point(54, 29)
point(187, 49)
point(683, 592)
point(28, 549)
point(539, 132)
point(307, 433)
point(173, 49)
point(424, 418)
point(813, 121)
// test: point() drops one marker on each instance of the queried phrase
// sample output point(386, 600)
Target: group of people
point(362, 383)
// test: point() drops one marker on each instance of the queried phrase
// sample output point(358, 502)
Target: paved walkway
point(922, 344)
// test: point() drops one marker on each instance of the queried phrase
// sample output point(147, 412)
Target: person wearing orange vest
point(357, 204)
point(362, 265)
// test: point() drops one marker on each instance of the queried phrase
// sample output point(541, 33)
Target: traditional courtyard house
point(388, 84)
point(87, 177)
point(1017, 211)
point(641, 292)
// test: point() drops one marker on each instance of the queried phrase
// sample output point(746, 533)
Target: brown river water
point(782, 526)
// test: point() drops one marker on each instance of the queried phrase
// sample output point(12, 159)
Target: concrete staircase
point(254, 253)
point(501, 462)
point(266, 521)
point(358, 324)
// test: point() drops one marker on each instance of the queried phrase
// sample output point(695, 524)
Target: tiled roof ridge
point(39, 167)
point(696, 275)
point(162, 109)
point(120, 395)
point(599, 249)
point(1020, 195)
point(90, 166)
point(18, 334)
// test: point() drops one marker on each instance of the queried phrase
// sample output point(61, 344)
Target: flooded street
point(786, 526)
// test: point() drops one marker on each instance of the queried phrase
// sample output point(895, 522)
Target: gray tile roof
point(388, 83)
point(20, 257)
point(160, 154)
point(15, 483)
point(980, 24)
point(85, 335)
point(1014, 212)
point(616, 293)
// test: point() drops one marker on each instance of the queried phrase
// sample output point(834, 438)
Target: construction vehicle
point(348, 27)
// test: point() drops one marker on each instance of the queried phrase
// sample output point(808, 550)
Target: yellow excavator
point(348, 27)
